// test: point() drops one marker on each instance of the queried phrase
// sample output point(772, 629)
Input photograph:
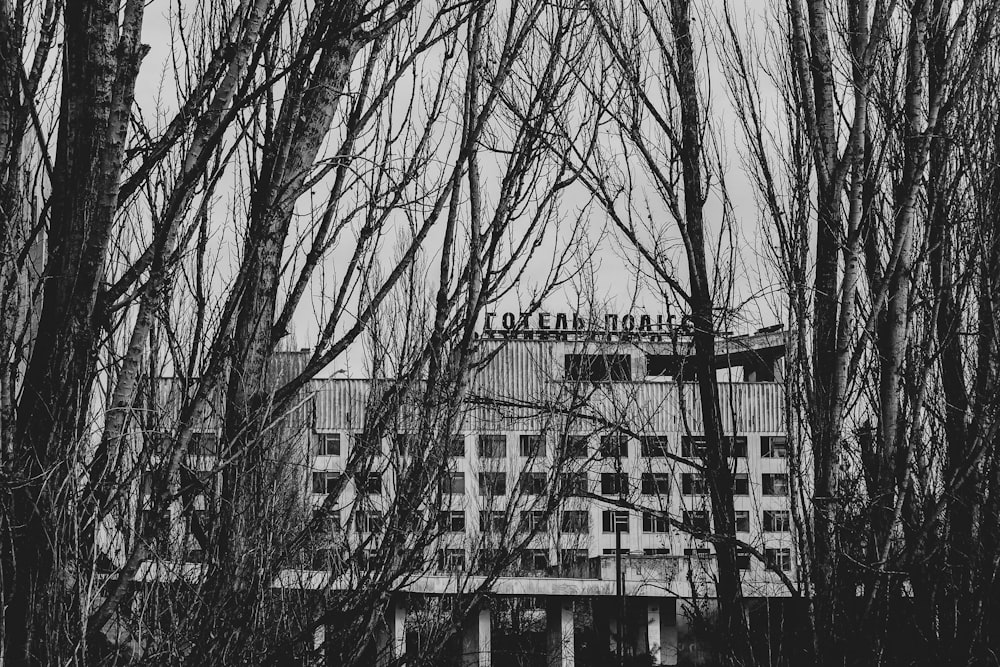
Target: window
point(152, 524)
point(492, 446)
point(612, 520)
point(655, 484)
point(456, 446)
point(742, 559)
point(654, 523)
point(452, 522)
point(742, 521)
point(573, 483)
point(451, 560)
point(574, 446)
point(367, 521)
point(453, 483)
point(773, 446)
point(329, 520)
point(487, 560)
point(533, 483)
point(741, 484)
point(654, 445)
point(325, 482)
point(203, 443)
point(327, 444)
point(776, 521)
point(693, 484)
point(698, 553)
point(574, 562)
point(693, 446)
point(614, 483)
point(614, 447)
point(533, 521)
point(775, 484)
point(370, 483)
point(326, 559)
point(575, 521)
point(493, 522)
point(656, 551)
point(492, 484)
point(780, 558)
point(598, 367)
point(199, 517)
point(612, 552)
point(697, 520)
point(738, 446)
point(663, 365)
point(532, 445)
point(534, 560)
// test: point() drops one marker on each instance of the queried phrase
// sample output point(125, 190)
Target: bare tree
point(131, 218)
point(653, 104)
point(879, 162)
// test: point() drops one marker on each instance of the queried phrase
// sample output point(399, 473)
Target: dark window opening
point(492, 484)
point(655, 484)
point(453, 483)
point(456, 446)
point(532, 445)
point(327, 444)
point(693, 446)
point(654, 523)
point(533, 483)
point(613, 483)
point(452, 522)
point(614, 447)
point(654, 445)
point(775, 484)
point(663, 365)
point(598, 367)
point(203, 444)
point(614, 521)
point(492, 446)
point(573, 483)
point(697, 520)
point(325, 482)
point(777, 521)
point(773, 446)
point(693, 484)
point(741, 484)
point(575, 521)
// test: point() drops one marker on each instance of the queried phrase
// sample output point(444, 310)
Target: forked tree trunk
point(100, 66)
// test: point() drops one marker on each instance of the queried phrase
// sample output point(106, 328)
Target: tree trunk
point(100, 67)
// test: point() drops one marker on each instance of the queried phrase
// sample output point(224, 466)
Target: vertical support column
point(653, 635)
point(661, 630)
point(319, 638)
point(559, 626)
point(391, 643)
point(477, 639)
point(668, 631)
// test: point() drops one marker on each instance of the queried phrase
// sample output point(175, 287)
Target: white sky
point(612, 279)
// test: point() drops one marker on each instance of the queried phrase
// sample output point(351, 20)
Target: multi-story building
point(573, 460)
point(609, 425)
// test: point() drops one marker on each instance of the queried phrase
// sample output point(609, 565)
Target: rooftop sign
point(563, 326)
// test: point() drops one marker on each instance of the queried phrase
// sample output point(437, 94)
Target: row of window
point(492, 446)
point(575, 561)
point(577, 521)
point(535, 483)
